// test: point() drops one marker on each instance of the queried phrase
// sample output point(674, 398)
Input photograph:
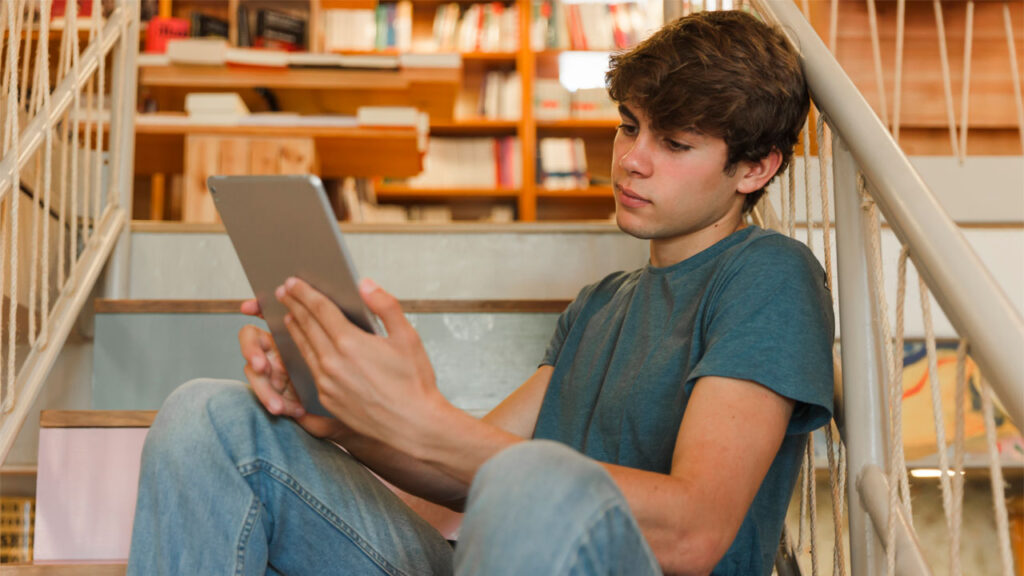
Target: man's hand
point(269, 379)
point(380, 387)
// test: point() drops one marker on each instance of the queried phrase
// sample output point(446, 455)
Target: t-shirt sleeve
point(771, 321)
point(565, 323)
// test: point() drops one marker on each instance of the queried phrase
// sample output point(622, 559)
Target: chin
point(632, 225)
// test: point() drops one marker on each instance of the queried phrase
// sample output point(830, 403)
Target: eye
point(627, 129)
point(676, 146)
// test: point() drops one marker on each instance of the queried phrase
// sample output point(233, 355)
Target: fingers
point(251, 307)
point(254, 345)
point(387, 308)
point(326, 328)
point(276, 403)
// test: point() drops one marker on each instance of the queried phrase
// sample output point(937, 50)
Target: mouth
point(629, 198)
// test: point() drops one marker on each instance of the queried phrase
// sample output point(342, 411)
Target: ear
point(754, 175)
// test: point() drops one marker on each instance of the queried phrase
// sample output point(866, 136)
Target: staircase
point(484, 299)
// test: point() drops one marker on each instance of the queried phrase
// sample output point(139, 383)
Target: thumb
point(387, 308)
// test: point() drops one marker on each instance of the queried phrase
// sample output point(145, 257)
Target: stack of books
point(587, 26)
point(386, 28)
point(484, 27)
point(502, 96)
point(471, 163)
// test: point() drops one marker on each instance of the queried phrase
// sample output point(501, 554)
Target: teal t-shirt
point(629, 349)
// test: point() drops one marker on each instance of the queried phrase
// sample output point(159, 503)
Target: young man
point(678, 396)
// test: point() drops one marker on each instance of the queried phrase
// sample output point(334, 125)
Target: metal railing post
point(864, 419)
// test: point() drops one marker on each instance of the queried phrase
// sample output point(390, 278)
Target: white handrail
point(874, 490)
point(970, 297)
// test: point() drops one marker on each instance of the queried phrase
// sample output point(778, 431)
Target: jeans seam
point(320, 508)
point(243, 537)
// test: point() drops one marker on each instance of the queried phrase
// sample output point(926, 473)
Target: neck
point(669, 251)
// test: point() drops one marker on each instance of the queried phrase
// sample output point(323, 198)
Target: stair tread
point(117, 306)
point(64, 569)
point(96, 418)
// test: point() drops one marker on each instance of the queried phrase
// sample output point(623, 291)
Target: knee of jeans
point(542, 474)
point(184, 421)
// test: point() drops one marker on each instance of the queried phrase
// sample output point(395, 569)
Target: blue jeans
point(225, 488)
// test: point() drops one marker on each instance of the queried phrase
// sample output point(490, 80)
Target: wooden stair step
point(110, 306)
point(63, 569)
point(96, 418)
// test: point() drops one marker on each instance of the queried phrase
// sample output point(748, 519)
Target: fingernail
point(290, 283)
point(279, 292)
point(368, 286)
point(299, 412)
point(275, 405)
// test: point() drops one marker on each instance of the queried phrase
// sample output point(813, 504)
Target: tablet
point(283, 226)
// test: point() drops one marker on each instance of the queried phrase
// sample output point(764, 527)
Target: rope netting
point(784, 193)
point(42, 236)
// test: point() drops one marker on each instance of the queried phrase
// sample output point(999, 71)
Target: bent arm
point(729, 436)
point(511, 421)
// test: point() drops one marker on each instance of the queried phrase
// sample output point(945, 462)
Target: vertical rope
point(44, 34)
point(791, 218)
point(1014, 73)
point(876, 51)
point(824, 157)
point(896, 387)
point(87, 157)
point(940, 425)
point(807, 185)
point(958, 445)
point(996, 474)
point(882, 318)
point(965, 90)
point(812, 496)
point(71, 28)
point(98, 154)
point(947, 83)
point(25, 13)
point(10, 144)
point(834, 473)
point(901, 16)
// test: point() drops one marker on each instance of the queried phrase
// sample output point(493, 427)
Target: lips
point(630, 199)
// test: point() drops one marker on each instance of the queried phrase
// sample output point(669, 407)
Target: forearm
point(679, 528)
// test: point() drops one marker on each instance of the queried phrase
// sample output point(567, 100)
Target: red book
point(163, 29)
point(60, 7)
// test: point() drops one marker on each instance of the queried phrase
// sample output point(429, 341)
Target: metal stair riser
point(141, 358)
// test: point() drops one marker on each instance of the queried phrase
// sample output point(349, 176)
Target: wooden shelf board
point(104, 306)
point(473, 125)
point(293, 78)
point(96, 418)
point(489, 56)
point(343, 151)
point(406, 192)
point(579, 123)
point(591, 192)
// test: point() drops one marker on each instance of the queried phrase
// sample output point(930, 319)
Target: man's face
point(669, 185)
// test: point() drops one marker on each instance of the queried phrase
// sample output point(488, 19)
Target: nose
point(636, 160)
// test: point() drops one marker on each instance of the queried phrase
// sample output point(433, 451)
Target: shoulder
point(767, 256)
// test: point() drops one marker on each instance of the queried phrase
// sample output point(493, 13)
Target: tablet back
point(283, 226)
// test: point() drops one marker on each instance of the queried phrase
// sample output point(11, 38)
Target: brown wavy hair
point(725, 74)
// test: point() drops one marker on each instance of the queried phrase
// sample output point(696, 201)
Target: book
point(198, 51)
point(279, 30)
point(435, 60)
point(551, 100)
point(256, 57)
point(370, 61)
point(351, 30)
point(502, 96)
point(215, 107)
point(388, 116)
point(244, 31)
point(162, 30)
point(205, 26)
point(562, 164)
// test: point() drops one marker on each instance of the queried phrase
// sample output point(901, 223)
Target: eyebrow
point(626, 112)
